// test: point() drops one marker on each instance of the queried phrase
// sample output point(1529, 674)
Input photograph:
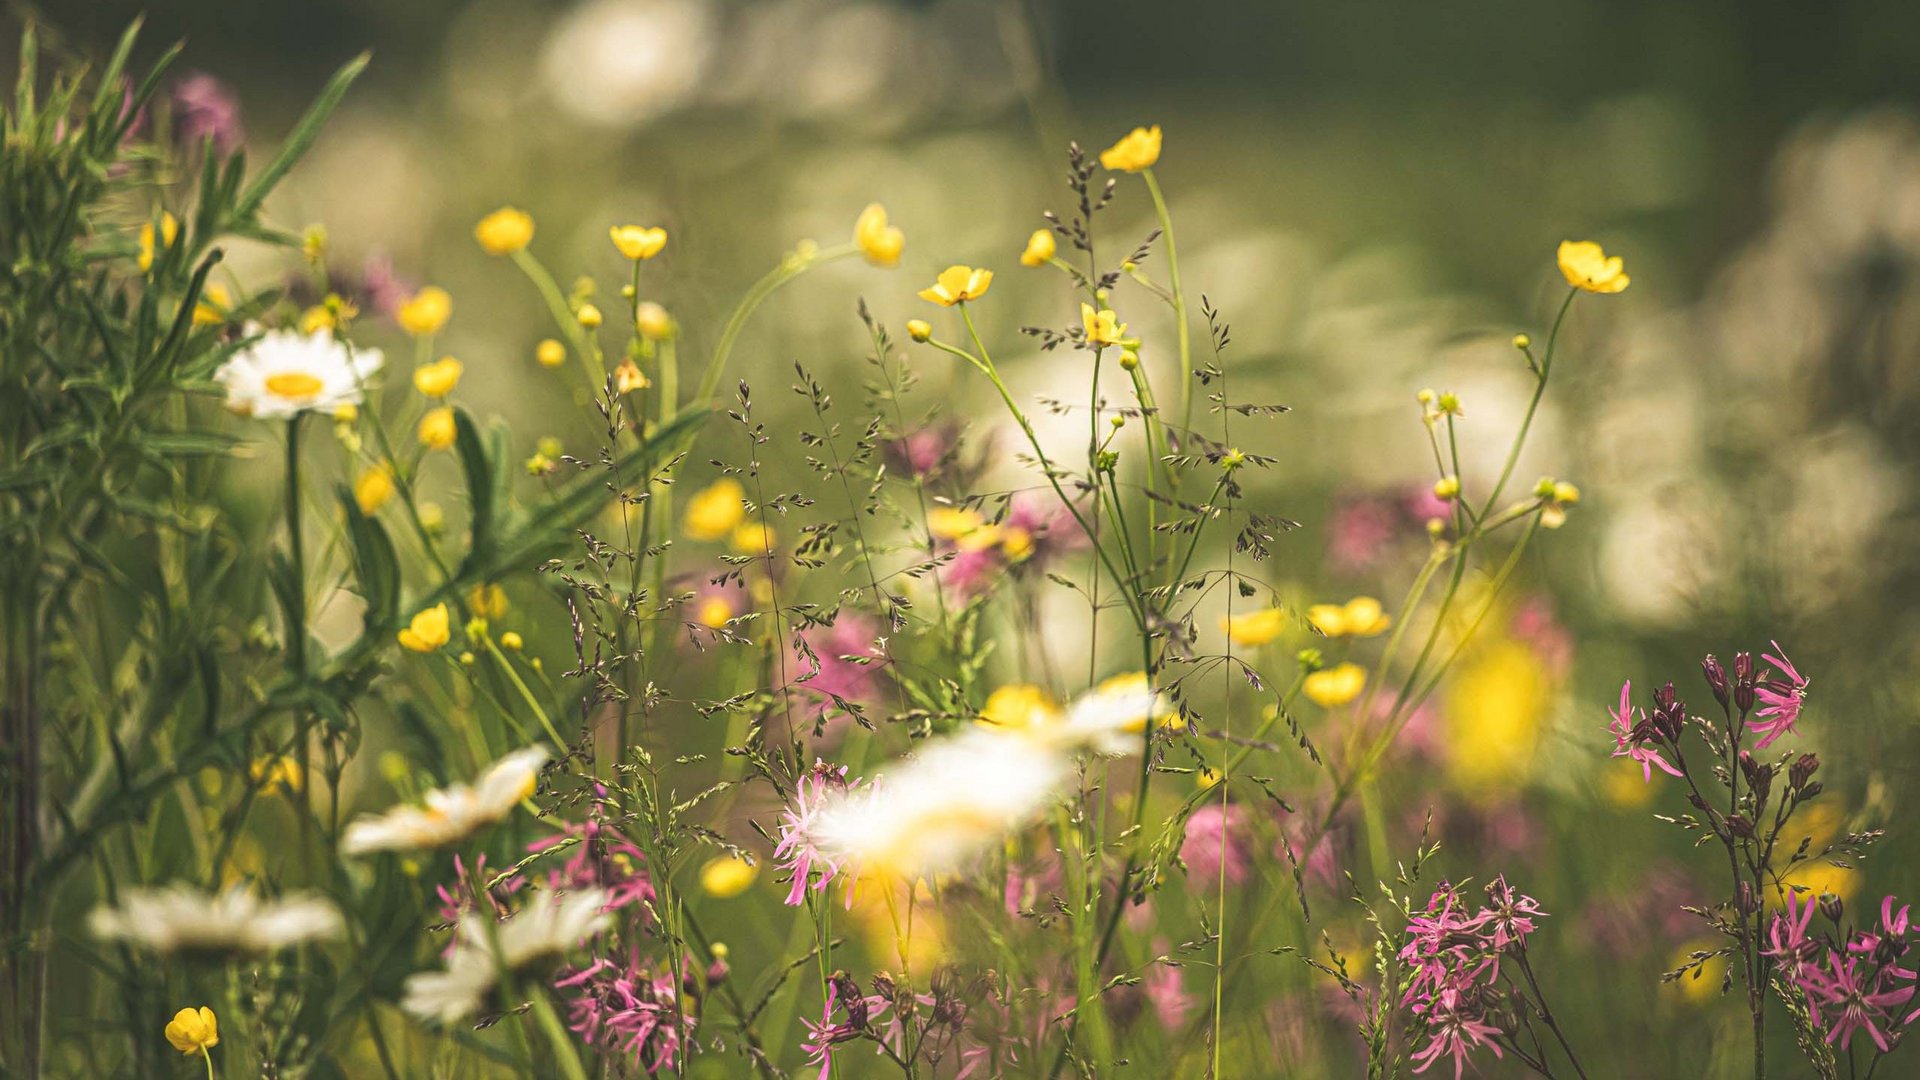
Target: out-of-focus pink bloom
point(1780, 698)
point(206, 108)
point(1034, 533)
point(600, 856)
point(1217, 837)
point(829, 673)
point(1163, 986)
point(796, 853)
point(461, 898)
point(1649, 914)
point(625, 1008)
point(381, 287)
point(1535, 623)
point(1423, 505)
point(1028, 885)
point(925, 451)
point(1359, 530)
point(1622, 724)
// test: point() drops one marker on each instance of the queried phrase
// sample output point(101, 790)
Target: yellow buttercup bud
point(653, 322)
point(437, 380)
point(511, 641)
point(727, 876)
point(589, 316)
point(1129, 359)
point(1565, 494)
point(550, 353)
point(504, 231)
point(488, 601)
point(425, 312)
point(373, 488)
point(1522, 342)
point(1447, 487)
point(1040, 248)
point(919, 329)
point(880, 242)
point(437, 429)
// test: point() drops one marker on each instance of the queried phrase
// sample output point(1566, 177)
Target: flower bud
point(1129, 359)
point(1832, 906)
point(1447, 488)
point(1802, 770)
point(1522, 342)
point(1738, 825)
point(1744, 898)
point(919, 329)
point(1717, 679)
point(589, 316)
point(1426, 397)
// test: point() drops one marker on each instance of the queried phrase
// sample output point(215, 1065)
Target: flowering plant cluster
point(701, 732)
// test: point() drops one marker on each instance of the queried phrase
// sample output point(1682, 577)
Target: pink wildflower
point(798, 855)
point(627, 1008)
point(1630, 739)
point(1163, 986)
point(1217, 838)
point(1780, 698)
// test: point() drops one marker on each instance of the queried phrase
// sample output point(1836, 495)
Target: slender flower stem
point(208, 1055)
point(591, 362)
point(1179, 299)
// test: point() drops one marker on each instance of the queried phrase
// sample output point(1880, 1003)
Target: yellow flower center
point(295, 385)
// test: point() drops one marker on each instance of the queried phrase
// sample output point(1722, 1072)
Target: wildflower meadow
point(487, 599)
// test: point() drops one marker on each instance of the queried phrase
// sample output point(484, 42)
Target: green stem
point(1179, 299)
point(590, 360)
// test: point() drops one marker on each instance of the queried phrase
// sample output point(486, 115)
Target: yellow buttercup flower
point(1358, 617)
point(437, 430)
point(957, 285)
point(1102, 327)
point(727, 875)
point(716, 510)
point(511, 641)
point(1587, 267)
point(1497, 707)
point(1015, 543)
point(214, 304)
point(638, 242)
point(487, 601)
point(589, 316)
point(504, 231)
point(317, 318)
point(752, 538)
point(1700, 984)
point(1040, 248)
point(437, 380)
point(276, 772)
point(880, 242)
point(428, 631)
point(1019, 707)
point(713, 612)
point(192, 1031)
point(1138, 150)
point(1335, 686)
point(1255, 628)
point(628, 377)
point(953, 522)
point(550, 353)
point(169, 231)
point(425, 312)
point(373, 488)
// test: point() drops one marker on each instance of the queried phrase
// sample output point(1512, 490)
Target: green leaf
point(481, 484)
point(302, 138)
point(375, 567)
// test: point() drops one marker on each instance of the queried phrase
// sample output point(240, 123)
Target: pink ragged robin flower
point(1779, 696)
point(1216, 839)
point(626, 1008)
point(796, 852)
point(1630, 740)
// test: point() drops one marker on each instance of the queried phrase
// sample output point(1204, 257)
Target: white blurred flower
point(949, 802)
point(287, 371)
point(450, 814)
point(1111, 717)
point(180, 918)
point(550, 926)
point(620, 62)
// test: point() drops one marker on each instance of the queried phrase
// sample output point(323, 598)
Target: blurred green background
point(1372, 193)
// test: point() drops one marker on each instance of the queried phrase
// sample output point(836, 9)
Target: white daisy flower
point(450, 815)
point(1111, 717)
point(550, 926)
point(286, 371)
point(950, 801)
point(180, 918)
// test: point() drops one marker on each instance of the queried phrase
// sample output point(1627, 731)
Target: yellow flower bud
point(919, 329)
point(880, 242)
point(1129, 359)
point(169, 231)
point(437, 430)
point(511, 641)
point(1040, 248)
point(727, 876)
point(550, 353)
point(425, 312)
point(437, 379)
point(589, 316)
point(1335, 686)
point(1565, 494)
point(373, 488)
point(1447, 487)
point(1522, 342)
point(466, 658)
point(653, 322)
point(504, 231)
